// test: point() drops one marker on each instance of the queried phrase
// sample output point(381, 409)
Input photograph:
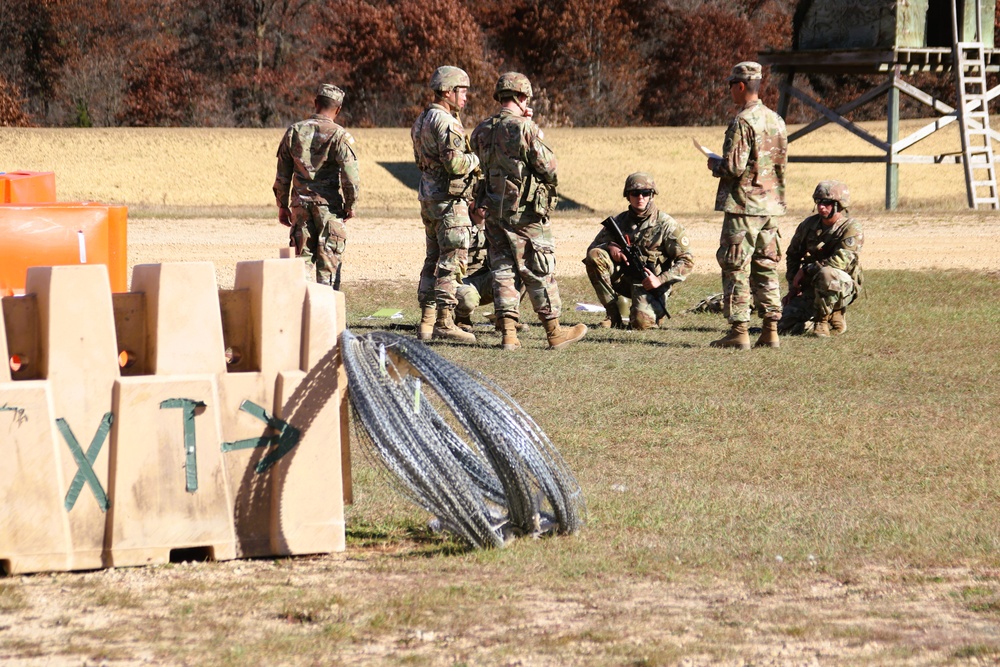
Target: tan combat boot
point(445, 328)
point(738, 337)
point(838, 322)
point(821, 326)
point(560, 337)
point(508, 328)
point(464, 322)
point(614, 318)
point(426, 327)
point(768, 334)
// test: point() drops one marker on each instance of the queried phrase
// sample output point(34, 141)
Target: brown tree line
point(256, 63)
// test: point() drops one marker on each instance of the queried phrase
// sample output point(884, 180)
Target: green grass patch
point(875, 444)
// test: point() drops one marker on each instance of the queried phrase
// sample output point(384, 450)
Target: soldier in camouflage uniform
point(663, 246)
point(448, 174)
point(823, 266)
point(317, 184)
point(751, 175)
point(476, 288)
point(520, 191)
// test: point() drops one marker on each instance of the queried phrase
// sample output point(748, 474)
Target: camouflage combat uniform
point(666, 251)
point(520, 173)
point(447, 168)
point(830, 258)
point(751, 190)
point(318, 175)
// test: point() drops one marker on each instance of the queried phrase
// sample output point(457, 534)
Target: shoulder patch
point(349, 137)
point(849, 241)
point(541, 135)
point(456, 141)
point(684, 240)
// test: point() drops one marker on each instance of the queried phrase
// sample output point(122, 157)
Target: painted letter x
point(85, 462)
point(287, 437)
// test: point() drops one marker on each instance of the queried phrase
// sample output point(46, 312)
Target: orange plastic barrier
point(27, 187)
point(59, 234)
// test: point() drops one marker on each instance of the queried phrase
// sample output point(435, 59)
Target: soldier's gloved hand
point(617, 255)
point(285, 217)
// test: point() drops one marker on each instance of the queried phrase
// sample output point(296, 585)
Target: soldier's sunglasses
point(825, 202)
point(640, 193)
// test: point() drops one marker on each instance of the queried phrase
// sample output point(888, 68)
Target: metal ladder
point(974, 120)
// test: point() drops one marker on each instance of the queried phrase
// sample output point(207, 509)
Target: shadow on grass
point(405, 541)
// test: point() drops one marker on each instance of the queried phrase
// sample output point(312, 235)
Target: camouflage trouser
point(477, 290)
point(326, 238)
point(610, 281)
point(447, 232)
point(752, 277)
point(827, 291)
point(523, 247)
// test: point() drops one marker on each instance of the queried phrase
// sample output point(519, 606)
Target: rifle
point(636, 265)
point(795, 287)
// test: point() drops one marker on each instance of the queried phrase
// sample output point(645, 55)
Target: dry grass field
point(150, 168)
point(831, 503)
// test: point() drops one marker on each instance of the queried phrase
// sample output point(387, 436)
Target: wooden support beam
point(892, 136)
point(838, 119)
point(872, 94)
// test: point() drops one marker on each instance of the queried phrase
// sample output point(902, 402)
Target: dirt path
point(393, 248)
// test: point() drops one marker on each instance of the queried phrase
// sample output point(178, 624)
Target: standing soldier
point(823, 265)
point(751, 175)
point(661, 243)
point(448, 172)
point(520, 190)
point(316, 185)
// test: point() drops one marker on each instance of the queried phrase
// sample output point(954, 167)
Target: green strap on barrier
point(190, 446)
point(85, 462)
point(286, 438)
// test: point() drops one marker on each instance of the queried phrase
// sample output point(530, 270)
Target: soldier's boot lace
point(838, 322)
point(768, 334)
point(508, 328)
point(425, 329)
point(821, 326)
point(445, 328)
point(464, 322)
point(738, 337)
point(559, 337)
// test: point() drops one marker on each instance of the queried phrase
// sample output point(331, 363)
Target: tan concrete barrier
point(173, 418)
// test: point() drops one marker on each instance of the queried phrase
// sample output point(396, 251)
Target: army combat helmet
point(512, 82)
point(448, 78)
point(640, 180)
point(833, 191)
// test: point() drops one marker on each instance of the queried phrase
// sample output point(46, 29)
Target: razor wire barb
point(504, 479)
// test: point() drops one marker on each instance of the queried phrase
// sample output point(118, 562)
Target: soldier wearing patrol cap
point(751, 192)
point(316, 185)
point(449, 171)
point(663, 247)
point(823, 265)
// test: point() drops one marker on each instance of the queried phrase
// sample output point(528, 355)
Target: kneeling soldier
point(659, 242)
point(823, 265)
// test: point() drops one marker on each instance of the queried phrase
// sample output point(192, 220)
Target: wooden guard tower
point(895, 38)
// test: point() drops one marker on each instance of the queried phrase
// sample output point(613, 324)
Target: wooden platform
point(869, 61)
